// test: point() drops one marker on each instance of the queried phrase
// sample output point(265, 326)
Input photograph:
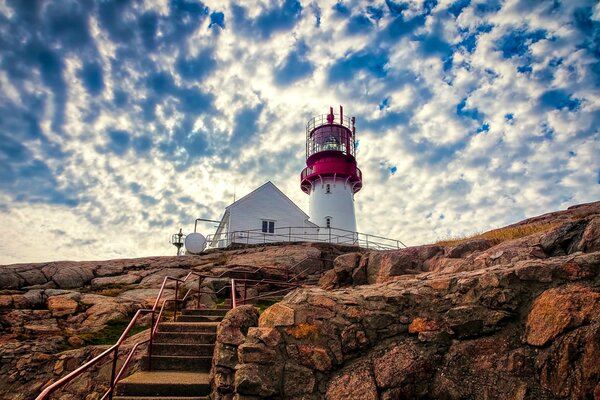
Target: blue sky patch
point(341, 9)
point(294, 67)
point(461, 110)
point(559, 99)
point(343, 69)
point(517, 42)
point(217, 18)
point(92, 77)
point(458, 6)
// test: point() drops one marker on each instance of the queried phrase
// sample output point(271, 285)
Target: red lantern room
point(331, 150)
point(331, 176)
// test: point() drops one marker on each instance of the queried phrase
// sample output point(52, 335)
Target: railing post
point(176, 298)
point(367, 240)
point(150, 344)
point(233, 302)
point(329, 234)
point(199, 293)
point(244, 298)
point(289, 234)
point(113, 373)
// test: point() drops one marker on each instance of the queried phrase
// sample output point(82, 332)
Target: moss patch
point(111, 333)
point(262, 305)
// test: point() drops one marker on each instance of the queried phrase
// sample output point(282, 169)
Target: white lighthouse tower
point(331, 177)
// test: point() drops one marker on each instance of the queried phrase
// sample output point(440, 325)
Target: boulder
point(559, 309)
point(145, 297)
point(277, 315)
point(353, 382)
point(412, 260)
point(61, 306)
point(258, 380)
point(234, 327)
point(468, 247)
point(297, 380)
point(70, 275)
point(590, 239)
point(563, 239)
point(405, 364)
point(570, 368)
point(118, 280)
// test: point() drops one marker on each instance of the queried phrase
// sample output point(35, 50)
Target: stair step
point(182, 349)
point(179, 363)
point(168, 384)
point(199, 318)
point(158, 398)
point(188, 326)
point(218, 312)
point(185, 337)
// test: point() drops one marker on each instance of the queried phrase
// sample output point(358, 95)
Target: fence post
point(176, 298)
point(113, 372)
point(329, 234)
point(151, 342)
point(233, 302)
point(199, 293)
point(289, 234)
point(367, 240)
point(244, 298)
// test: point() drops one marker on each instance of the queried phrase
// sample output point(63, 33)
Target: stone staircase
point(181, 360)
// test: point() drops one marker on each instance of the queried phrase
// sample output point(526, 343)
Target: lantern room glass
point(330, 137)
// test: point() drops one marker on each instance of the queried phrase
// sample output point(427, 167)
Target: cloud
point(132, 119)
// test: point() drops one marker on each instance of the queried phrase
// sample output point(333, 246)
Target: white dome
point(195, 243)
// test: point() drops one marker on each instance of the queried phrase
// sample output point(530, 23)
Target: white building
point(262, 216)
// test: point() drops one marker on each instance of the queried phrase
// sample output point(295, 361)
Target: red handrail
point(114, 349)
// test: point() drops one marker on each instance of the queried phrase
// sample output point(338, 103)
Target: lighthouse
point(331, 177)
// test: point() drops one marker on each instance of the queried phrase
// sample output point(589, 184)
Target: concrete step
point(199, 318)
point(188, 327)
point(169, 384)
point(178, 363)
point(185, 337)
point(182, 349)
point(219, 312)
point(158, 398)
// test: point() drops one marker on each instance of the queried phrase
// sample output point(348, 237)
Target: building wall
point(266, 204)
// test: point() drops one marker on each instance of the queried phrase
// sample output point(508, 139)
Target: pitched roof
point(268, 184)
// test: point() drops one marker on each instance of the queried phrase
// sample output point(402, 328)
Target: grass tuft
point(500, 235)
point(110, 333)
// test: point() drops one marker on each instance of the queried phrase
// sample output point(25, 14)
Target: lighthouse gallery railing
point(304, 234)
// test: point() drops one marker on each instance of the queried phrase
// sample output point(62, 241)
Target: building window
point(268, 226)
point(328, 222)
point(328, 188)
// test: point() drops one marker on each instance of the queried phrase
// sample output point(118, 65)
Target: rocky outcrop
point(58, 310)
point(472, 320)
point(231, 334)
point(567, 237)
point(519, 320)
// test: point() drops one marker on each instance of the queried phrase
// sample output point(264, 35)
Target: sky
point(123, 121)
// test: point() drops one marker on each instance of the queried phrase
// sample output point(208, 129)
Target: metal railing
point(321, 120)
point(291, 282)
point(304, 234)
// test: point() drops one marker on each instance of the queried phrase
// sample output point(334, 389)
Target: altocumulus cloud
point(121, 121)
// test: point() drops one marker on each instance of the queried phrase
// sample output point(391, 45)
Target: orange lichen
point(302, 330)
point(420, 324)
